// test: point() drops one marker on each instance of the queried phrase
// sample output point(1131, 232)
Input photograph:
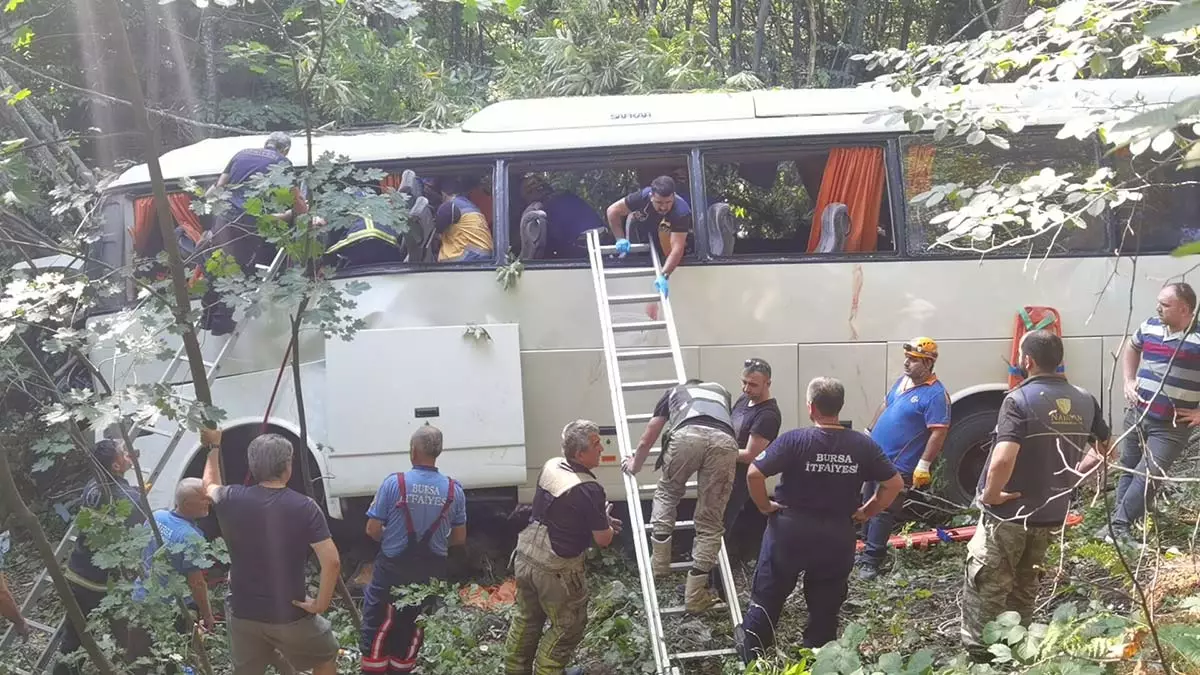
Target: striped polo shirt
point(1171, 360)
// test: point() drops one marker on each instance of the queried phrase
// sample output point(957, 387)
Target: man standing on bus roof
point(416, 516)
point(1161, 368)
point(569, 515)
point(669, 215)
point(236, 231)
point(911, 427)
point(1037, 460)
point(698, 440)
point(756, 421)
point(810, 523)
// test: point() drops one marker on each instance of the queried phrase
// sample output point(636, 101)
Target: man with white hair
point(415, 516)
point(269, 529)
point(569, 515)
point(183, 547)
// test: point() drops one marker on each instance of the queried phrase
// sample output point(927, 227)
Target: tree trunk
point(796, 62)
point(906, 22)
point(29, 522)
point(983, 14)
point(208, 25)
point(688, 8)
point(153, 53)
point(36, 127)
point(852, 39)
point(736, 60)
point(183, 304)
point(1012, 13)
point(812, 42)
point(760, 35)
point(714, 33)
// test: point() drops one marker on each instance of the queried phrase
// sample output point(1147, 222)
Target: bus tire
point(964, 454)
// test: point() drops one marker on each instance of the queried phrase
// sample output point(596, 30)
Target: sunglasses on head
point(757, 365)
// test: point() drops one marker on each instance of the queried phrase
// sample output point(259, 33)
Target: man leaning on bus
point(659, 206)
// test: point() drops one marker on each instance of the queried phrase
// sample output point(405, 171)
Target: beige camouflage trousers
point(712, 456)
point(1004, 566)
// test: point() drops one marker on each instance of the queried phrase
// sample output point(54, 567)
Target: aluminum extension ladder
point(666, 661)
point(43, 582)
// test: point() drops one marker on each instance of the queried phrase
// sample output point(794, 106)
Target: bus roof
point(549, 124)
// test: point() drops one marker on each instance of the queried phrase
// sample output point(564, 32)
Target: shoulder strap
point(444, 512)
point(402, 504)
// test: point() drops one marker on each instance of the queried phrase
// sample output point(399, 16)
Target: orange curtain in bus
point(854, 177)
point(918, 169)
point(185, 217)
point(392, 180)
point(144, 224)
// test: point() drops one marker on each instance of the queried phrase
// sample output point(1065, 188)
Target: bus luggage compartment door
point(464, 380)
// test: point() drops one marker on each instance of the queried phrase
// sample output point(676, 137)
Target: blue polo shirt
point(910, 413)
point(426, 491)
point(185, 549)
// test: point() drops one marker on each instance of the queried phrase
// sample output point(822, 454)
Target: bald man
point(182, 549)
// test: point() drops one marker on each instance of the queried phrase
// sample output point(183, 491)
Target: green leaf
point(890, 663)
point(19, 96)
point(513, 5)
point(22, 37)
point(1181, 17)
point(12, 5)
point(1191, 248)
point(1184, 639)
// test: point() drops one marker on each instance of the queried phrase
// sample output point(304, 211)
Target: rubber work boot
point(660, 557)
point(697, 596)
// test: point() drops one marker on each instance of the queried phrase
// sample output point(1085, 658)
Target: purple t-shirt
point(568, 217)
point(269, 532)
point(244, 165)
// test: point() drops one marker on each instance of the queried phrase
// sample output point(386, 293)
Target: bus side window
point(146, 234)
point(928, 163)
point(1168, 215)
point(803, 201)
point(465, 233)
point(553, 207)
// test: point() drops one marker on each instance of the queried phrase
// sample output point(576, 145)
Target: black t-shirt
point(657, 226)
point(824, 469)
point(1053, 421)
point(95, 496)
point(573, 517)
point(663, 409)
point(269, 532)
point(763, 420)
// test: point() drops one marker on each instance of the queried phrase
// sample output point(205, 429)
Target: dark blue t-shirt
point(678, 219)
point(568, 216)
point(823, 469)
point(244, 165)
point(910, 415)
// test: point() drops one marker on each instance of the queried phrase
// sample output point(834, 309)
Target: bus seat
point(835, 225)
point(419, 236)
point(721, 230)
point(533, 232)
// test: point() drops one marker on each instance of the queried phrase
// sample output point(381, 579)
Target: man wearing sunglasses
point(911, 427)
point(756, 421)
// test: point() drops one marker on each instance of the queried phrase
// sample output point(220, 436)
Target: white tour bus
point(773, 156)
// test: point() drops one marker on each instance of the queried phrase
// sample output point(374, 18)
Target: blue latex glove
point(622, 247)
point(660, 285)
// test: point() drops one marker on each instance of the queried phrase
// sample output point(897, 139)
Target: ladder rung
point(630, 272)
point(679, 525)
point(633, 248)
point(644, 354)
point(680, 566)
point(40, 626)
point(210, 364)
point(630, 299)
point(684, 656)
point(158, 432)
point(648, 384)
point(633, 326)
point(681, 609)
point(639, 418)
point(651, 487)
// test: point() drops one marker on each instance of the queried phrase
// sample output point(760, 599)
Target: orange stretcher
point(1028, 319)
point(923, 540)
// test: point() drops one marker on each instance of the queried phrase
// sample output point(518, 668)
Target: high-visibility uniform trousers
point(820, 546)
point(550, 588)
point(391, 639)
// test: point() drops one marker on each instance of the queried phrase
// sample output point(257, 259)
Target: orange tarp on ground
point(489, 597)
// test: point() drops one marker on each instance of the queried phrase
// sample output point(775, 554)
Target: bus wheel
point(964, 455)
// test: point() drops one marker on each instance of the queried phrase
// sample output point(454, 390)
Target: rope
point(271, 402)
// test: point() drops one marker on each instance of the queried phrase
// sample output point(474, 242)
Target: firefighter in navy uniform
point(569, 515)
point(416, 516)
point(699, 440)
point(810, 523)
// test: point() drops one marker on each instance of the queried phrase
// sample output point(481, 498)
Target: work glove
point(622, 247)
point(921, 476)
point(660, 285)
